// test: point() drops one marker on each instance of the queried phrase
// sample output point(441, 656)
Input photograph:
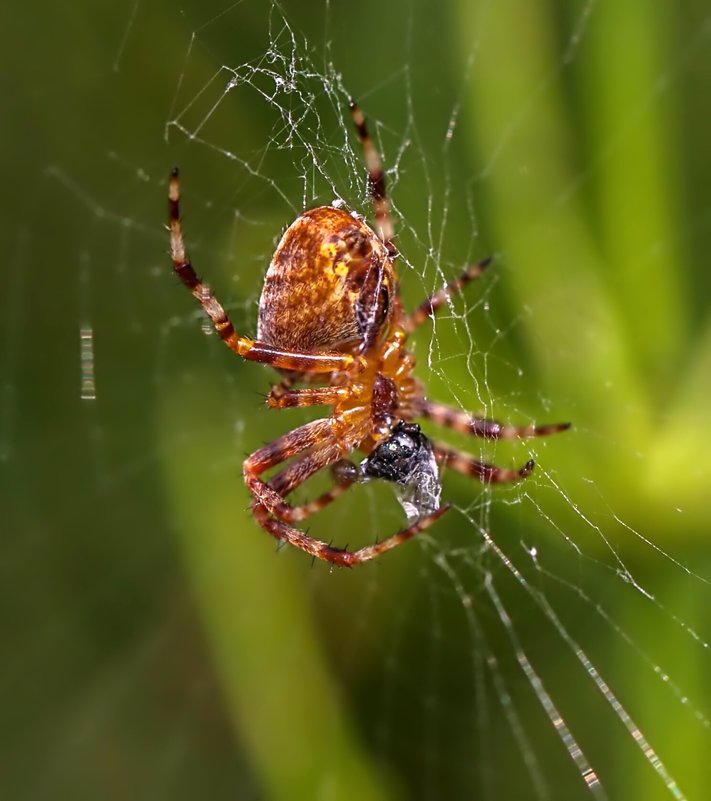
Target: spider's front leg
point(243, 346)
point(274, 514)
point(343, 472)
point(270, 508)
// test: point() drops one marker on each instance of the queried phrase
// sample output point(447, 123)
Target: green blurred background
point(153, 644)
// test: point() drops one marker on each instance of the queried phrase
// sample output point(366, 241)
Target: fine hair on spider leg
point(330, 314)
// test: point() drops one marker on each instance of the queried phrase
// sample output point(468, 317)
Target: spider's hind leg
point(486, 473)
point(471, 424)
point(430, 305)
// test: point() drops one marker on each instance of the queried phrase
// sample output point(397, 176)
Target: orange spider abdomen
point(314, 284)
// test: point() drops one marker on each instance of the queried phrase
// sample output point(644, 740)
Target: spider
point(330, 314)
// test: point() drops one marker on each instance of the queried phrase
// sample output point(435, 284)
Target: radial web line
point(649, 753)
point(621, 566)
point(656, 668)
point(572, 746)
point(505, 700)
point(622, 570)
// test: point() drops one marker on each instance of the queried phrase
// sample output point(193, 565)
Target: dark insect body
point(330, 313)
point(406, 458)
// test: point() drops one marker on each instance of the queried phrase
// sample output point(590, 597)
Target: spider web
point(545, 640)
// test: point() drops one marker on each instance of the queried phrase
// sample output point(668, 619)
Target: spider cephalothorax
point(330, 313)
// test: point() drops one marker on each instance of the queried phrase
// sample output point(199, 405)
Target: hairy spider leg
point(287, 383)
point(316, 436)
point(343, 472)
point(369, 552)
point(376, 180)
point(486, 473)
point(467, 423)
point(307, 396)
point(247, 348)
point(278, 390)
point(428, 308)
point(271, 510)
point(340, 556)
point(383, 226)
